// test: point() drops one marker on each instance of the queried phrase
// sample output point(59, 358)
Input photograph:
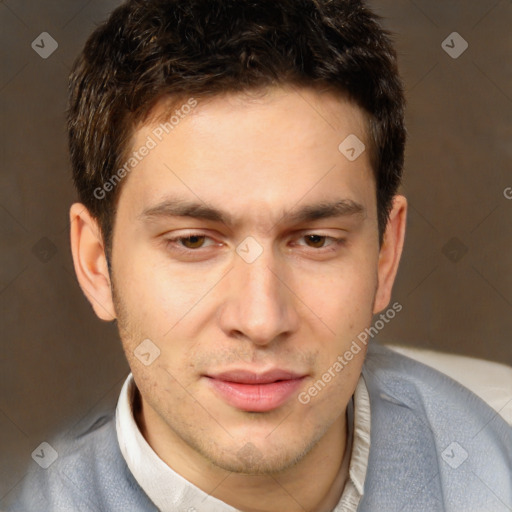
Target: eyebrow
point(197, 210)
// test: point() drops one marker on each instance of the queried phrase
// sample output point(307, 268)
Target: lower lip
point(256, 397)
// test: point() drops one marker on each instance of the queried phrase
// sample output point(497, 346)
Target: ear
point(390, 252)
point(90, 261)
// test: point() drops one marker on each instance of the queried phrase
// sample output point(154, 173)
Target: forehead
point(251, 153)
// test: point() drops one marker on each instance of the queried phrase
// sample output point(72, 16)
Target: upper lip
point(249, 377)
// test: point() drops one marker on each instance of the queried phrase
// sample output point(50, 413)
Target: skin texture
point(297, 306)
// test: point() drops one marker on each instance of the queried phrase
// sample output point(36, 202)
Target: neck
point(315, 483)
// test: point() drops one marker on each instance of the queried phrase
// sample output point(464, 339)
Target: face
point(246, 250)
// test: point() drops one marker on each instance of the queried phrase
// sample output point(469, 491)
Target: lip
point(255, 392)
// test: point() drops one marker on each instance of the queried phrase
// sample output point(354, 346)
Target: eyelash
point(170, 243)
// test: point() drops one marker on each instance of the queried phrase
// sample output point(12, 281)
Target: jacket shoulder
point(447, 440)
point(88, 474)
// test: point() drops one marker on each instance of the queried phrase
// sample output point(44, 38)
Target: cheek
point(329, 392)
point(342, 297)
point(160, 294)
point(165, 306)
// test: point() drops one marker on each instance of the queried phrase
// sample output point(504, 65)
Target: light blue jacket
point(435, 446)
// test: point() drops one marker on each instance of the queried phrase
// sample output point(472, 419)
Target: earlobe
point(90, 261)
point(390, 252)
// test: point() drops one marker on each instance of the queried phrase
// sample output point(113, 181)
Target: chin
point(251, 461)
point(259, 457)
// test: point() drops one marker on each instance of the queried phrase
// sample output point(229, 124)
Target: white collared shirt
point(170, 492)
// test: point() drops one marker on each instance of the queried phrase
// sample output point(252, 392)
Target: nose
point(260, 306)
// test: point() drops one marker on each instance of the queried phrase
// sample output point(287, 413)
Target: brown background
point(58, 362)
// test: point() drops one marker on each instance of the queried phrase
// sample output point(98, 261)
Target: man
point(238, 165)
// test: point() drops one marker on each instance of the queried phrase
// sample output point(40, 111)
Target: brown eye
point(193, 242)
point(317, 241)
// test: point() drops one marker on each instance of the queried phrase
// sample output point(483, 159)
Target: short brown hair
point(148, 50)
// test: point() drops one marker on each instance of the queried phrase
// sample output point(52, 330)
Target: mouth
point(255, 392)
